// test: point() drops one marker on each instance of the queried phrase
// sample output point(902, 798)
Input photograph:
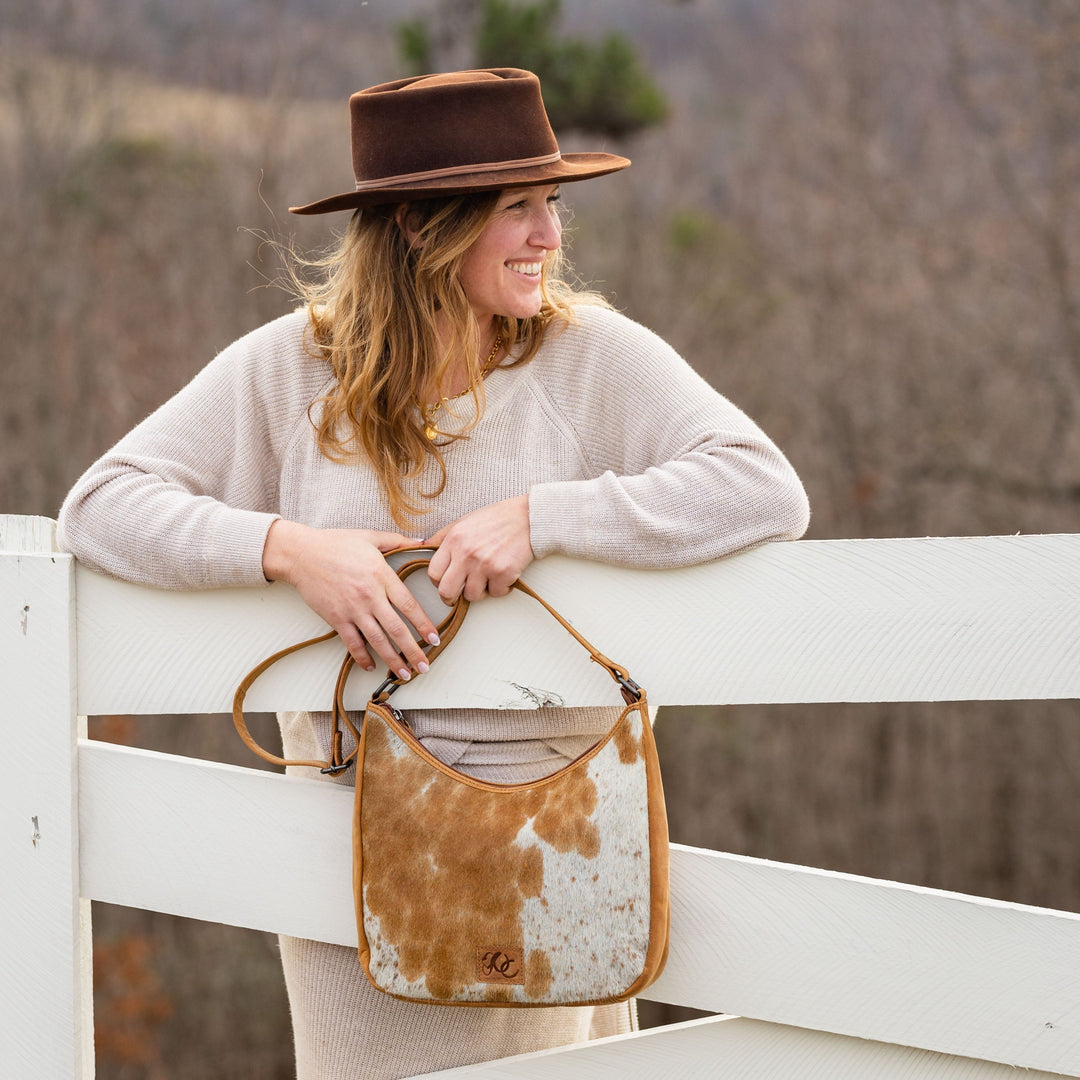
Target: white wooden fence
point(828, 975)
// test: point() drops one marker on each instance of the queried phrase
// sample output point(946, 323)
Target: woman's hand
point(482, 553)
point(343, 576)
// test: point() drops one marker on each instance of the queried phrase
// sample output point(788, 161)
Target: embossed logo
point(500, 964)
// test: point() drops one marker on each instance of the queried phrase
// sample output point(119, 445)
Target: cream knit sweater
point(627, 457)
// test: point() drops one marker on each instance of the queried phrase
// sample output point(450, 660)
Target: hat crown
point(453, 133)
point(447, 78)
point(433, 125)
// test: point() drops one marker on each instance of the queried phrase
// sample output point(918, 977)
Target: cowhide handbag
point(551, 892)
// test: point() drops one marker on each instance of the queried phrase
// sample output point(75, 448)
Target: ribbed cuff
point(560, 511)
point(235, 551)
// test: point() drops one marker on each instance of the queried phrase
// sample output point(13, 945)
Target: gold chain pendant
point(431, 431)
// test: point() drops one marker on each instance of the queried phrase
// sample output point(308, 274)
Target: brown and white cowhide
point(519, 894)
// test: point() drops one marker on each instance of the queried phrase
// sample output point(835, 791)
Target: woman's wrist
point(280, 548)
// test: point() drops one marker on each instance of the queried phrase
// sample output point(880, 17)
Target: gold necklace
point(428, 412)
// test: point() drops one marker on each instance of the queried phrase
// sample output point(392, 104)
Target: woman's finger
point(402, 599)
point(438, 564)
point(401, 634)
point(386, 541)
point(389, 632)
point(476, 586)
point(500, 586)
point(354, 642)
point(379, 640)
point(451, 583)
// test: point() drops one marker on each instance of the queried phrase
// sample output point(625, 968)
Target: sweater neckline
point(499, 387)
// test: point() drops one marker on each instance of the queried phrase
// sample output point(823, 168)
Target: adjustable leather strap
point(245, 686)
point(339, 716)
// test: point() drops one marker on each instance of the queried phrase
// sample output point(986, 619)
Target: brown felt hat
point(448, 134)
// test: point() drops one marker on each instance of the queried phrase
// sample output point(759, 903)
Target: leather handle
point(446, 630)
point(631, 692)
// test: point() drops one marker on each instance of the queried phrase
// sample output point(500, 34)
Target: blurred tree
point(414, 44)
point(130, 1004)
point(1013, 67)
point(600, 88)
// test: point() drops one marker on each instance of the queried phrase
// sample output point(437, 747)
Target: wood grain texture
point(852, 620)
point(24, 533)
point(209, 841)
point(733, 1048)
point(45, 984)
point(808, 948)
point(878, 960)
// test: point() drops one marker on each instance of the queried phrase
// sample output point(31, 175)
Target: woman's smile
point(502, 272)
point(527, 269)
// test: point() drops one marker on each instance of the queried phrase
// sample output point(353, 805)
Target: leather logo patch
point(500, 964)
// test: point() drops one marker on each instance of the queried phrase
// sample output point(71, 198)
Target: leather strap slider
point(336, 764)
point(333, 770)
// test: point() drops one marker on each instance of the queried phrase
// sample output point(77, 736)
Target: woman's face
point(501, 271)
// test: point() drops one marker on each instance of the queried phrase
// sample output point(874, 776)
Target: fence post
point(46, 1002)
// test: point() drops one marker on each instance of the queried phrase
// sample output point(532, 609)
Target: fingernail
point(368, 667)
point(423, 666)
point(433, 638)
point(404, 675)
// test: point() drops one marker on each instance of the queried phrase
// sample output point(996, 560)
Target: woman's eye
point(553, 202)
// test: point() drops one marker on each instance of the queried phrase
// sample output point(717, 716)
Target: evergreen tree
point(600, 88)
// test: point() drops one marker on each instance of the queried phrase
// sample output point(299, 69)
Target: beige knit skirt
point(345, 1029)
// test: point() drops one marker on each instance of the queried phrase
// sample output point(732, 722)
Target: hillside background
point(860, 220)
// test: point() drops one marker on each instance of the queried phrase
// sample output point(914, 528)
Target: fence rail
point(830, 974)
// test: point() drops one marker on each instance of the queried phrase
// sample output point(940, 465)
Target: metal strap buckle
point(385, 689)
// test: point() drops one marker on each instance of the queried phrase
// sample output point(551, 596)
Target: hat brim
point(568, 168)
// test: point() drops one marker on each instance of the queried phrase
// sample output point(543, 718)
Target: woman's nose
point(548, 231)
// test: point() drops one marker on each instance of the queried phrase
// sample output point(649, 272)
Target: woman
point(441, 381)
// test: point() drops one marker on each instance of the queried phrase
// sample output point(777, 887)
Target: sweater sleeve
point(677, 474)
point(186, 499)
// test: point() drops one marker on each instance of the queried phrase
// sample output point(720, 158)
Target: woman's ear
point(407, 223)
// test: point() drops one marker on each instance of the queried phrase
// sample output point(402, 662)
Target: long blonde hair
point(373, 301)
